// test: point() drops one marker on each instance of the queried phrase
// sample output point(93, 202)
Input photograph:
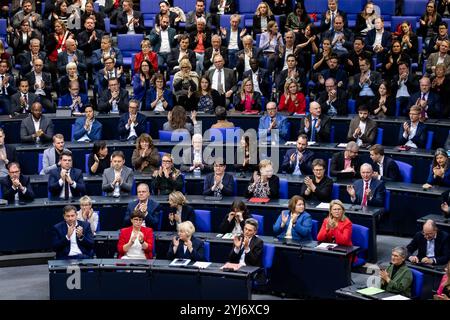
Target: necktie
point(423, 113)
point(313, 130)
point(332, 21)
point(1, 84)
point(219, 82)
point(66, 190)
point(364, 199)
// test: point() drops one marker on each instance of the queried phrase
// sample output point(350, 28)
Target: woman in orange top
point(336, 228)
point(292, 101)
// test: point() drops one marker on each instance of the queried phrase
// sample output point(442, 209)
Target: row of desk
point(391, 126)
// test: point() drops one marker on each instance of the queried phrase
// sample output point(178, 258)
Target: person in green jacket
point(397, 278)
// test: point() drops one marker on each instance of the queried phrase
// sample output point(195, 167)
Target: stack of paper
point(326, 246)
point(180, 262)
point(342, 145)
point(201, 264)
point(323, 205)
point(396, 297)
point(370, 291)
point(227, 236)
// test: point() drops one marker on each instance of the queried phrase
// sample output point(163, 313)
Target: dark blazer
point(282, 77)
point(11, 153)
point(305, 164)
point(207, 63)
point(66, 101)
point(62, 85)
point(338, 162)
point(433, 102)
point(377, 190)
point(263, 80)
point(79, 130)
point(155, 39)
point(227, 226)
point(193, 40)
point(338, 74)
point(254, 257)
point(140, 128)
point(63, 60)
point(274, 186)
point(325, 26)
point(62, 246)
point(172, 60)
point(230, 79)
point(391, 172)
point(151, 219)
point(17, 107)
point(191, 21)
point(122, 21)
point(348, 37)
point(97, 58)
point(101, 82)
point(227, 181)
point(323, 190)
point(441, 247)
point(11, 87)
point(55, 189)
point(375, 81)
point(257, 24)
point(226, 39)
point(25, 61)
point(340, 104)
point(257, 53)
point(27, 129)
point(89, 47)
point(368, 138)
point(103, 103)
point(46, 77)
point(150, 96)
point(385, 40)
point(420, 138)
point(197, 254)
point(214, 6)
point(389, 103)
point(325, 126)
point(187, 214)
point(9, 193)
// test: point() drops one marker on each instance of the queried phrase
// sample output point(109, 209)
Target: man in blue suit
point(106, 50)
point(149, 207)
point(74, 99)
point(427, 100)
point(219, 183)
point(273, 121)
point(298, 161)
point(132, 123)
point(66, 182)
point(413, 132)
point(367, 191)
point(71, 54)
point(87, 128)
point(72, 238)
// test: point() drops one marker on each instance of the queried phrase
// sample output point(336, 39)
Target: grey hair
point(252, 222)
point(401, 251)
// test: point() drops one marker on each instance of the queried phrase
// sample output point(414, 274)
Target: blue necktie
point(313, 130)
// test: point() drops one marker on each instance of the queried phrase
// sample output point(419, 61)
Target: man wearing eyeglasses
point(432, 245)
point(148, 207)
point(273, 121)
point(219, 183)
point(16, 186)
point(413, 132)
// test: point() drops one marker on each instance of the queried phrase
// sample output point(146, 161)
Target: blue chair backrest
point(316, 6)
point(260, 220)
point(129, 43)
point(98, 224)
point(387, 7)
point(329, 167)
point(335, 191)
point(228, 135)
point(202, 220)
point(167, 136)
point(72, 132)
point(397, 108)
point(258, 39)
point(284, 189)
point(414, 7)
point(107, 25)
point(40, 161)
point(86, 163)
point(387, 200)
point(380, 135)
point(351, 106)
point(417, 284)
point(396, 20)
point(234, 187)
point(206, 250)
point(247, 6)
point(314, 229)
point(225, 21)
point(268, 254)
point(332, 134)
point(360, 238)
point(406, 170)
point(351, 6)
point(149, 6)
point(3, 27)
point(430, 136)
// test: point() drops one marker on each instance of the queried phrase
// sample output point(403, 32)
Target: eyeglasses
point(167, 161)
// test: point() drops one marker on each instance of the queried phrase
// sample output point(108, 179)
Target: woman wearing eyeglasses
point(439, 171)
point(317, 187)
point(264, 184)
point(135, 242)
point(167, 179)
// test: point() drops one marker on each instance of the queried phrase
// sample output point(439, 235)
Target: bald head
point(429, 226)
point(315, 109)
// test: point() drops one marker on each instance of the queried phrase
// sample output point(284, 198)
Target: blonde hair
point(289, 82)
point(339, 203)
point(185, 63)
point(269, 12)
point(178, 198)
point(85, 200)
point(264, 163)
point(187, 227)
point(244, 82)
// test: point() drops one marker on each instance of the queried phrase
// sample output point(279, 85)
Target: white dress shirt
point(74, 248)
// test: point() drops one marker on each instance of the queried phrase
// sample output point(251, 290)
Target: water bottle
point(197, 172)
point(116, 192)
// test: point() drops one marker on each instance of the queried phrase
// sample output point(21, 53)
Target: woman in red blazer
point(336, 228)
point(145, 54)
point(292, 100)
point(135, 242)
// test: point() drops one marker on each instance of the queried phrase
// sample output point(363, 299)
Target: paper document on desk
point(370, 291)
point(227, 236)
point(290, 143)
point(180, 262)
point(342, 145)
point(311, 143)
point(202, 265)
point(323, 205)
point(396, 297)
point(326, 246)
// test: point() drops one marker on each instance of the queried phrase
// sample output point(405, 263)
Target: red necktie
point(364, 199)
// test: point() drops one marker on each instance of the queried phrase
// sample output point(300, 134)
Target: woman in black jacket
point(264, 184)
point(179, 212)
point(234, 221)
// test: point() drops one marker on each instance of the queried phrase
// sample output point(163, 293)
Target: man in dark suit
point(404, 84)
point(346, 161)
point(367, 191)
point(7, 87)
point(333, 100)
point(293, 72)
point(228, 84)
point(149, 207)
point(232, 39)
point(66, 182)
point(74, 99)
point(193, 158)
point(106, 50)
point(341, 38)
point(365, 84)
point(215, 49)
point(358, 52)
point(260, 78)
point(89, 40)
point(40, 83)
point(163, 45)
point(327, 22)
point(72, 238)
point(428, 101)
point(28, 132)
point(247, 248)
point(316, 125)
point(16, 186)
point(113, 100)
point(379, 47)
point(130, 21)
point(362, 129)
point(333, 71)
point(22, 100)
point(384, 168)
point(249, 51)
point(298, 161)
point(413, 133)
point(432, 245)
point(110, 71)
point(71, 54)
point(7, 153)
point(219, 183)
point(27, 58)
point(177, 53)
point(132, 123)
point(199, 12)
